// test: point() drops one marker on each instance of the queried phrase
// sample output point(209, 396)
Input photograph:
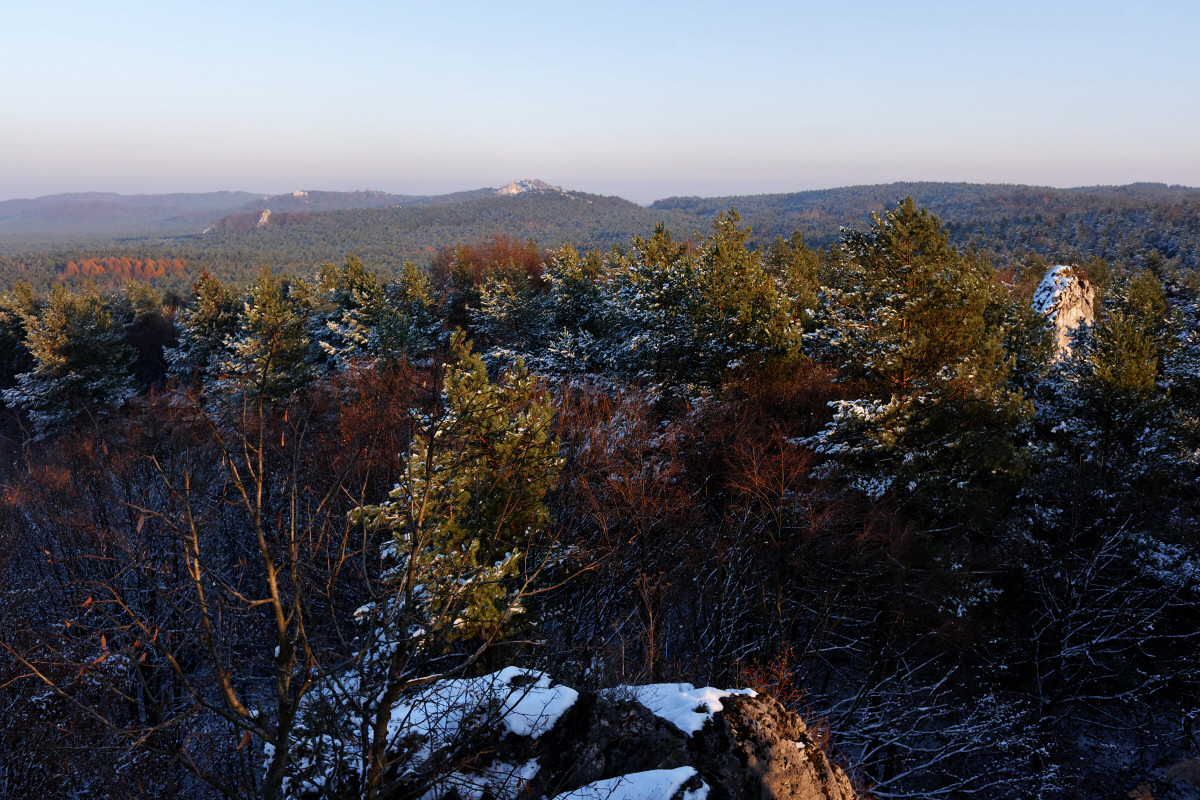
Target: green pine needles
point(466, 518)
point(81, 361)
point(914, 329)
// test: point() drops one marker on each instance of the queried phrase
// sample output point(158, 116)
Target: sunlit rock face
point(1066, 299)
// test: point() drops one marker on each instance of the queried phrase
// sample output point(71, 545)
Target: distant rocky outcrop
point(255, 220)
point(527, 186)
point(517, 734)
point(1067, 300)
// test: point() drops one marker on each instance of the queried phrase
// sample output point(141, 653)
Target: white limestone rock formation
point(1067, 300)
point(529, 186)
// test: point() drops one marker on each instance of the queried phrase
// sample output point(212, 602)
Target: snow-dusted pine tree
point(81, 362)
point(350, 305)
point(464, 540)
point(210, 319)
point(412, 322)
point(270, 354)
point(911, 324)
point(16, 306)
point(471, 497)
point(683, 318)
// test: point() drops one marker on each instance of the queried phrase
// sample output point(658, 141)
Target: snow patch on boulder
point(525, 703)
point(681, 783)
point(680, 704)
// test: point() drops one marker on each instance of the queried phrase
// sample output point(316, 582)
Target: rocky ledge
point(657, 742)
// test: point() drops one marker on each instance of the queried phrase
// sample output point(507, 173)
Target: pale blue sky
point(642, 100)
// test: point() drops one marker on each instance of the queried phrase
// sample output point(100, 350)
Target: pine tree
point(270, 355)
point(81, 364)
point(649, 294)
point(580, 315)
point(513, 318)
point(744, 311)
point(352, 307)
point(412, 322)
point(204, 327)
point(465, 538)
point(912, 326)
point(15, 307)
point(683, 318)
point(1105, 406)
point(798, 267)
point(471, 501)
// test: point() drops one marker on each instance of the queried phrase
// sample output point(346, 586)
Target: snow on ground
point(680, 704)
point(656, 784)
point(500, 780)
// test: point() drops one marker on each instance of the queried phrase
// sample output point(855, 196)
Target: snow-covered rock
point(681, 704)
point(517, 734)
point(1066, 299)
point(655, 784)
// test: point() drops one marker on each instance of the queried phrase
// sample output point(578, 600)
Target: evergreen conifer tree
point(798, 266)
point(580, 317)
point(471, 501)
point(557, 328)
point(352, 307)
point(81, 364)
point(412, 322)
point(270, 354)
point(685, 318)
point(912, 328)
point(15, 307)
point(1106, 406)
point(513, 318)
point(205, 326)
point(465, 540)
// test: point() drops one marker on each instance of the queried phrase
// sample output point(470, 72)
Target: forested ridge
point(242, 525)
point(1130, 224)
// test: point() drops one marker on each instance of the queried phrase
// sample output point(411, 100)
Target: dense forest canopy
point(1130, 224)
point(242, 524)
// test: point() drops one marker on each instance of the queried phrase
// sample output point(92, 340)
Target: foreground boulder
point(633, 743)
point(755, 748)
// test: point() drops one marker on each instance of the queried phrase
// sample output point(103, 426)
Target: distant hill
point(1115, 222)
point(968, 208)
point(389, 235)
point(68, 218)
point(326, 201)
point(297, 231)
point(233, 233)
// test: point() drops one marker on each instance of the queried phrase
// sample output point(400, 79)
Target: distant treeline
point(1141, 225)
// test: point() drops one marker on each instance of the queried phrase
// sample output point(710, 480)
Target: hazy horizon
point(584, 189)
point(643, 102)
